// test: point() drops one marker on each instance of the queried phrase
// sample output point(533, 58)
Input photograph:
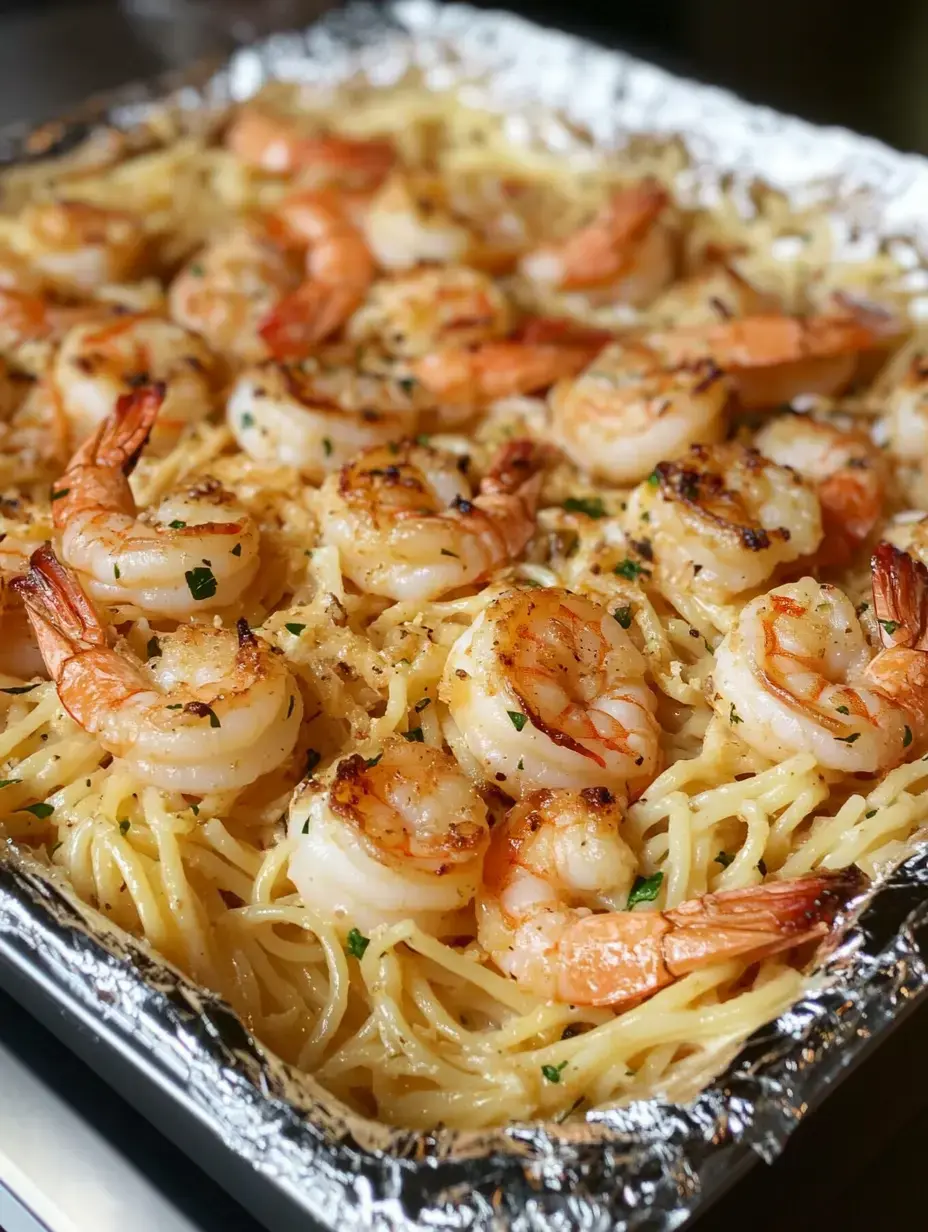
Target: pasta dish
point(461, 604)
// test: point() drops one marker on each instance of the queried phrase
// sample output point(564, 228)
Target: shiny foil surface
point(302, 1156)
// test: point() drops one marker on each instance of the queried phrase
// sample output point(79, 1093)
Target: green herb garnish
point(517, 719)
point(645, 890)
point(552, 1073)
point(592, 506)
point(357, 943)
point(201, 582)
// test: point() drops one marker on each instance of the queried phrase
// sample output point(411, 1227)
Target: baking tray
point(286, 1149)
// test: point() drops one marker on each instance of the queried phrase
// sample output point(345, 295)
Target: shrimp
point(630, 410)
point(214, 711)
point(408, 526)
point(845, 468)
point(339, 270)
point(398, 836)
point(29, 318)
point(462, 377)
point(723, 518)
point(227, 291)
point(907, 412)
point(99, 363)
point(279, 144)
point(716, 291)
point(542, 875)
point(795, 673)
point(772, 358)
point(549, 691)
point(422, 312)
point(80, 247)
point(173, 561)
point(408, 223)
point(625, 254)
point(277, 415)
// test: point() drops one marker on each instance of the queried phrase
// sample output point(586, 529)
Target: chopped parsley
point(213, 717)
point(313, 758)
point(849, 739)
point(177, 524)
point(175, 706)
point(724, 859)
point(446, 552)
point(862, 607)
point(15, 690)
point(295, 629)
point(327, 446)
point(201, 582)
point(552, 1073)
point(907, 737)
point(872, 813)
point(592, 506)
point(843, 710)
point(290, 707)
point(153, 648)
point(372, 761)
point(653, 479)
point(9, 782)
point(422, 705)
point(357, 943)
point(414, 735)
point(116, 573)
point(247, 420)
point(58, 493)
point(124, 826)
point(762, 868)
point(645, 890)
point(624, 616)
point(517, 719)
point(628, 569)
point(195, 809)
point(237, 550)
point(38, 810)
point(890, 626)
point(733, 716)
point(196, 269)
point(521, 765)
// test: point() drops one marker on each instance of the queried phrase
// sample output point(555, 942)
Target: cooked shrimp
point(795, 673)
point(549, 691)
point(277, 414)
point(381, 839)
point(175, 559)
point(26, 318)
point(81, 247)
point(227, 290)
point(772, 358)
point(279, 144)
point(431, 309)
point(339, 270)
point(97, 364)
point(845, 468)
point(472, 377)
point(408, 223)
point(907, 412)
point(408, 526)
point(555, 857)
point(630, 410)
point(723, 518)
point(625, 254)
point(214, 711)
point(715, 292)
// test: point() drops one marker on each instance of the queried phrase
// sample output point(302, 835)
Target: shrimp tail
point(757, 921)
point(515, 465)
point(63, 618)
point(118, 442)
point(304, 318)
point(900, 597)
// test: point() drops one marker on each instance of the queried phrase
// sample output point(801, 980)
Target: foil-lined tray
point(284, 1147)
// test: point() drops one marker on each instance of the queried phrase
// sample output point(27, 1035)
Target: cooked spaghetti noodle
point(424, 239)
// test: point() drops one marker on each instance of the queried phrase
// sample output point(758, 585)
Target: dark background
point(857, 1163)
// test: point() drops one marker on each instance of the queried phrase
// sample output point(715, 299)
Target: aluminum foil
point(291, 1150)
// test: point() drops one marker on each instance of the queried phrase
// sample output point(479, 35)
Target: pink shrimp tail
point(118, 442)
point(900, 597)
point(63, 618)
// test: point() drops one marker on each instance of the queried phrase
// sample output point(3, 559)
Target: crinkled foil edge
point(651, 1163)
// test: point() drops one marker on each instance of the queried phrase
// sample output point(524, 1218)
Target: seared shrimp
point(431, 309)
point(81, 247)
point(176, 559)
point(629, 410)
point(466, 377)
point(772, 358)
point(339, 270)
point(625, 254)
point(408, 526)
point(549, 691)
point(227, 291)
point(408, 223)
point(795, 673)
point(845, 468)
point(279, 144)
point(97, 364)
point(382, 839)
point(213, 712)
point(278, 413)
point(541, 877)
point(723, 517)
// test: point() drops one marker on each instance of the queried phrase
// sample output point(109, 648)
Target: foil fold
point(647, 1165)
